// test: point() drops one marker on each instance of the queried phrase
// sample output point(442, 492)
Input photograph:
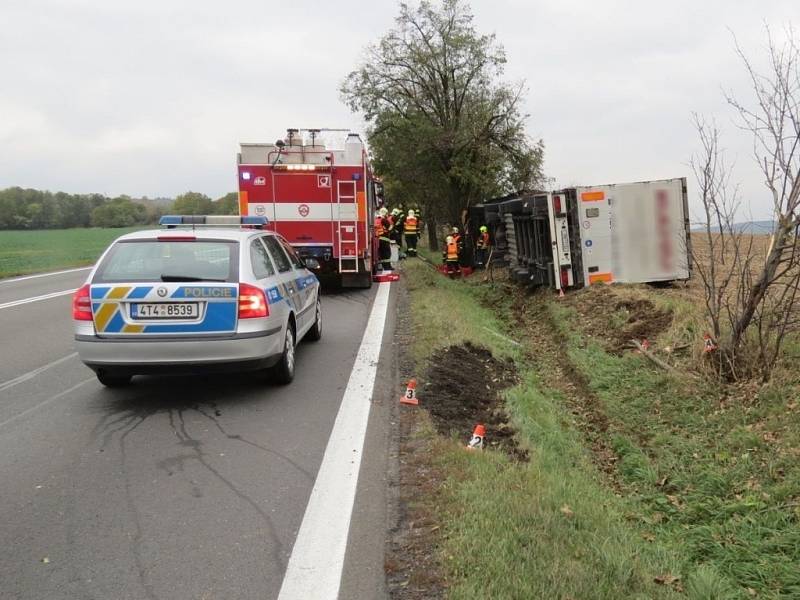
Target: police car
point(205, 293)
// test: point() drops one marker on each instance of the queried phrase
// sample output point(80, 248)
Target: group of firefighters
point(393, 226)
point(454, 254)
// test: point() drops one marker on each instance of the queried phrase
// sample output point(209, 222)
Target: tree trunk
point(433, 241)
point(759, 289)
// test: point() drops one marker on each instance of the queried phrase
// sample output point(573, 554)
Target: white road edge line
point(26, 277)
point(44, 402)
point(31, 374)
point(36, 298)
point(315, 566)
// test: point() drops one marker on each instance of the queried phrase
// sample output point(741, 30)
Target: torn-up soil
point(463, 388)
point(547, 351)
point(615, 321)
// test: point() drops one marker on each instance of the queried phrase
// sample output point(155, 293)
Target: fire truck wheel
point(283, 372)
point(315, 333)
point(363, 281)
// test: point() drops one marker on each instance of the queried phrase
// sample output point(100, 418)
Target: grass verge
point(550, 528)
point(25, 252)
point(711, 470)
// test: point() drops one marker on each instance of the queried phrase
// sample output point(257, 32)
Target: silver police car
point(206, 293)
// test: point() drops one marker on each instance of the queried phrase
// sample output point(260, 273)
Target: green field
point(23, 252)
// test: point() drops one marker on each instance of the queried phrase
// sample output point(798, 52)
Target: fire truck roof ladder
point(347, 226)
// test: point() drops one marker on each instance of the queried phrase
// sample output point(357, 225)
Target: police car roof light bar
point(173, 221)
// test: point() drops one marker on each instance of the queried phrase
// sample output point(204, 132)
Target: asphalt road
point(174, 488)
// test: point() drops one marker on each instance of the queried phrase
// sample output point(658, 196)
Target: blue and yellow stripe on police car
point(107, 314)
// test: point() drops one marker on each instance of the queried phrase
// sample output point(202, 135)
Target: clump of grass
point(446, 314)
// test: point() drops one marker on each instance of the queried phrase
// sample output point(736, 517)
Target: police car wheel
point(315, 333)
point(283, 372)
point(113, 380)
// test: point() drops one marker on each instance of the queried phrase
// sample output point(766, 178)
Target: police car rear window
point(158, 260)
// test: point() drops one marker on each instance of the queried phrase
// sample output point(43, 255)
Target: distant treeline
point(35, 209)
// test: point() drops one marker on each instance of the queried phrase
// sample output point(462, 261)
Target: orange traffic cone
point(561, 293)
point(478, 435)
point(410, 397)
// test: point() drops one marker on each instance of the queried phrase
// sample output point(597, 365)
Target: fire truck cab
point(321, 200)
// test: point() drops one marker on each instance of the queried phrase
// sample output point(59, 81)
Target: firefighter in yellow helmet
point(411, 231)
point(482, 246)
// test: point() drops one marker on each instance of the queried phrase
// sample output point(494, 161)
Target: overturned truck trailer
point(630, 233)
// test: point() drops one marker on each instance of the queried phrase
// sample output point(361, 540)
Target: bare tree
point(741, 291)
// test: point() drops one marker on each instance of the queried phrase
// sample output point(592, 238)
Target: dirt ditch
point(546, 348)
point(463, 388)
point(615, 321)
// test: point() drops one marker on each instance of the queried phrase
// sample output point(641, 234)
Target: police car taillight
point(82, 304)
point(252, 302)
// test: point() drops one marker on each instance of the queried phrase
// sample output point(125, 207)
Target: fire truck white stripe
point(315, 566)
point(303, 211)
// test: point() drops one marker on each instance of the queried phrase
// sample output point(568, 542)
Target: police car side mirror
point(311, 263)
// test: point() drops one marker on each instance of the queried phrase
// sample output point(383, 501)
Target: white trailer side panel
point(634, 232)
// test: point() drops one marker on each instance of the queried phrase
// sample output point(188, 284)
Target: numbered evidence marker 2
point(478, 437)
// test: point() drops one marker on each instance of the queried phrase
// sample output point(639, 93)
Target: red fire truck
point(321, 200)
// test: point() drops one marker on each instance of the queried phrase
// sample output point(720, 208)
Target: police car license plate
point(166, 310)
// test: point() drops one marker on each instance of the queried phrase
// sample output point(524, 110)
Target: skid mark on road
point(133, 511)
point(244, 440)
point(134, 413)
point(275, 547)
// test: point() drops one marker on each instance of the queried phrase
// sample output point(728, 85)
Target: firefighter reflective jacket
point(452, 251)
point(379, 230)
point(411, 226)
point(483, 241)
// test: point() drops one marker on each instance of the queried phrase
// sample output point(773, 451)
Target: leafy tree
point(445, 130)
point(192, 203)
point(227, 204)
point(120, 212)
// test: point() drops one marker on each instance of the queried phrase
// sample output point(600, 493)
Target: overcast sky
point(153, 97)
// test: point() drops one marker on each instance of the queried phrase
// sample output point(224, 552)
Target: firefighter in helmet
point(459, 241)
point(411, 231)
point(382, 232)
point(482, 246)
point(450, 256)
point(397, 229)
